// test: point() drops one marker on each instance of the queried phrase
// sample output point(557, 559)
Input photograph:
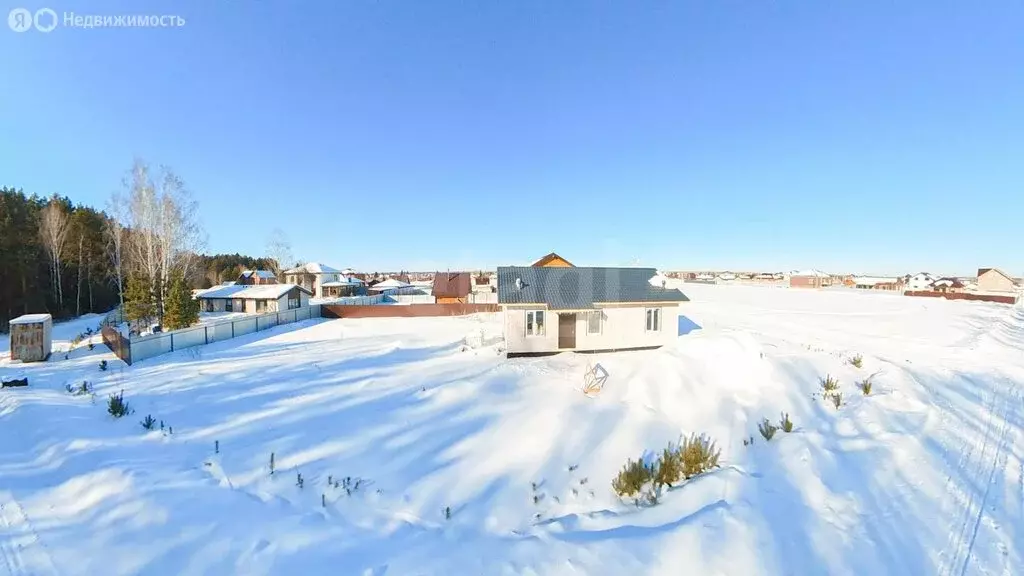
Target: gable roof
point(451, 284)
point(581, 288)
point(249, 292)
point(313, 268)
point(545, 260)
point(950, 282)
point(997, 271)
point(258, 273)
point(812, 273)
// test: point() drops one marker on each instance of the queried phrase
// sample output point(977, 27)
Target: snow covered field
point(924, 476)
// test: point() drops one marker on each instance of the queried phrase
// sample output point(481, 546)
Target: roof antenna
point(519, 283)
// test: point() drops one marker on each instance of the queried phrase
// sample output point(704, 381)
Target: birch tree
point(53, 231)
point(114, 235)
point(165, 233)
point(279, 250)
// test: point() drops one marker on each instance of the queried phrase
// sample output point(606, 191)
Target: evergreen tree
point(181, 310)
point(138, 299)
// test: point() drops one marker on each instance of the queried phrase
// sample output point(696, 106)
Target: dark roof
point(451, 284)
point(548, 258)
point(579, 288)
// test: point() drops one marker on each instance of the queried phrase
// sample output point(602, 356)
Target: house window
point(535, 323)
point(653, 319)
point(227, 306)
point(293, 302)
point(594, 323)
point(261, 306)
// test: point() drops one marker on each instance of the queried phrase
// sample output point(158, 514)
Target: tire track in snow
point(964, 532)
point(22, 550)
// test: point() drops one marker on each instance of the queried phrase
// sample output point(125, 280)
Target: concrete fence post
point(206, 330)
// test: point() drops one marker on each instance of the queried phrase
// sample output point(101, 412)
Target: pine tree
point(181, 310)
point(138, 298)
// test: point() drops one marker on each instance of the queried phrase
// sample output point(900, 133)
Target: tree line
point(143, 252)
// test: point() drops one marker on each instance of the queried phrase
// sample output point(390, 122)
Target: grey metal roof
point(580, 287)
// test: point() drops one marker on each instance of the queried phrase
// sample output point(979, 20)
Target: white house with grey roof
point(254, 299)
point(585, 309)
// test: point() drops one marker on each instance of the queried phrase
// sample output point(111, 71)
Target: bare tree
point(279, 250)
point(53, 230)
point(114, 231)
point(166, 235)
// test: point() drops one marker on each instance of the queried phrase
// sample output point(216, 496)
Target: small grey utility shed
point(31, 336)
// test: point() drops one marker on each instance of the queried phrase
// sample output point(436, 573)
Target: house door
point(567, 330)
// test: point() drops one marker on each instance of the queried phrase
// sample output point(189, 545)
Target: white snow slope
point(924, 476)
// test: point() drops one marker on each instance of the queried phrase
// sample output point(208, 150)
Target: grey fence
point(142, 347)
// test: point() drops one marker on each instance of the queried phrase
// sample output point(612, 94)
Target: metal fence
point(483, 298)
point(141, 347)
point(355, 300)
point(411, 299)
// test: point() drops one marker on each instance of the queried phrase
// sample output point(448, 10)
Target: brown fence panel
point(403, 310)
point(118, 344)
point(964, 296)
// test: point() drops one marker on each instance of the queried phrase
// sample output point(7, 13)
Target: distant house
point(552, 260)
point(389, 286)
point(484, 282)
point(344, 286)
point(313, 276)
point(877, 283)
point(948, 286)
point(548, 309)
point(256, 278)
point(254, 299)
point(809, 279)
point(452, 287)
point(726, 277)
point(920, 281)
point(995, 280)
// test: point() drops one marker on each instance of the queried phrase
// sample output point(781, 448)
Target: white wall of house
point(621, 327)
point(919, 282)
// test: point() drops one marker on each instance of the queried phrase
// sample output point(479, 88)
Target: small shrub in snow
point(298, 480)
point(583, 481)
point(669, 467)
point(633, 478)
point(837, 399)
point(271, 463)
point(746, 442)
point(767, 429)
point(216, 446)
point(117, 406)
point(91, 345)
point(857, 361)
point(573, 467)
point(323, 500)
point(828, 385)
point(698, 454)
point(103, 365)
point(148, 422)
point(785, 423)
point(865, 386)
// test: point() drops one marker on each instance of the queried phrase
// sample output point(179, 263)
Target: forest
point(70, 259)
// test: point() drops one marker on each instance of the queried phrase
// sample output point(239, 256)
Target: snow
point(313, 268)
point(257, 291)
point(924, 476)
point(811, 273)
point(31, 319)
point(390, 283)
point(872, 280)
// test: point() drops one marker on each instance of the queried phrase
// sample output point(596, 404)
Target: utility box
point(31, 336)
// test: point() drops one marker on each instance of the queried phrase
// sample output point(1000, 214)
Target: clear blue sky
point(879, 137)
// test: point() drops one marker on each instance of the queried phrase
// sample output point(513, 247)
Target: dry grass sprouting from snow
point(786, 423)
